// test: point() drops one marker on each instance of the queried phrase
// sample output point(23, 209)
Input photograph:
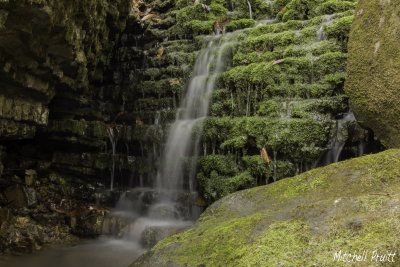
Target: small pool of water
point(103, 252)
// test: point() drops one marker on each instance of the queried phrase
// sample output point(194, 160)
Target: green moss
point(335, 6)
point(193, 19)
point(198, 27)
point(340, 29)
point(288, 234)
point(155, 104)
point(216, 177)
point(239, 24)
point(223, 165)
point(279, 4)
point(294, 139)
point(152, 73)
point(234, 144)
point(300, 9)
point(220, 175)
point(373, 69)
point(257, 167)
point(268, 108)
point(275, 28)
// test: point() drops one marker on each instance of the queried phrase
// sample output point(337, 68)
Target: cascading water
point(112, 135)
point(169, 204)
point(250, 12)
point(337, 145)
point(326, 20)
point(173, 175)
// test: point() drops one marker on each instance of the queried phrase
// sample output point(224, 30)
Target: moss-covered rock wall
point(282, 90)
point(373, 72)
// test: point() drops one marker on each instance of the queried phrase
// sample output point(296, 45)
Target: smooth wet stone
point(89, 226)
point(153, 234)
point(30, 195)
point(16, 196)
point(114, 226)
point(30, 177)
point(374, 70)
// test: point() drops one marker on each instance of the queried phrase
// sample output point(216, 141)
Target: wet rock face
point(374, 69)
point(43, 209)
point(53, 55)
point(55, 101)
point(46, 45)
point(153, 235)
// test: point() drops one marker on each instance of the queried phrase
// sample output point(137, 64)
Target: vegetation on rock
point(345, 206)
point(373, 71)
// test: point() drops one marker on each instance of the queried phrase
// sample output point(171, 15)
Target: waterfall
point(166, 202)
point(180, 143)
point(271, 5)
point(248, 103)
point(169, 202)
point(337, 145)
point(361, 148)
point(321, 33)
point(112, 135)
point(275, 165)
point(250, 13)
point(326, 20)
point(233, 106)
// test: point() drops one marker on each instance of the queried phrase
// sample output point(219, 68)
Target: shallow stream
point(100, 253)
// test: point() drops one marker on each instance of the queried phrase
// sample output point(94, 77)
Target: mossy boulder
point(373, 75)
point(300, 221)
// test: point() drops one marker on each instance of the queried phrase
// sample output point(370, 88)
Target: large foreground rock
point(373, 72)
point(300, 221)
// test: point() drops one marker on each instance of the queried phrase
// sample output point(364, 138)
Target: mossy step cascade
point(283, 92)
point(287, 107)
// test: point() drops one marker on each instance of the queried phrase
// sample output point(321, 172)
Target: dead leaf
point(264, 156)
point(283, 9)
point(149, 16)
point(196, 2)
point(156, 20)
point(139, 121)
point(260, 52)
point(160, 52)
point(147, 11)
point(174, 81)
point(278, 61)
point(219, 25)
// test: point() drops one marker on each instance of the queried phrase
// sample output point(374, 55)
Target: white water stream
point(250, 12)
